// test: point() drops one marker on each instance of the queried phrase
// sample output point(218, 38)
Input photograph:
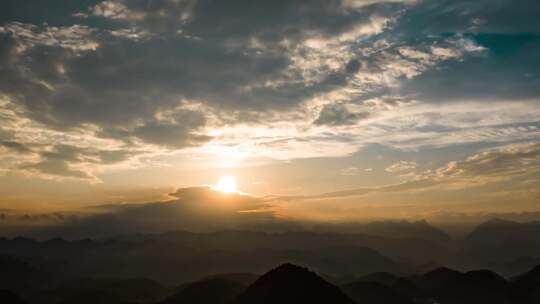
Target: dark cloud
point(69, 161)
point(58, 162)
point(177, 135)
point(339, 115)
point(54, 167)
point(16, 147)
point(64, 153)
point(353, 66)
point(55, 13)
point(114, 156)
point(231, 55)
point(269, 21)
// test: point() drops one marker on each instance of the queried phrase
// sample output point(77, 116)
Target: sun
point(226, 184)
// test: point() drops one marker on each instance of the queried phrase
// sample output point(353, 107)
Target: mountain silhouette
point(480, 286)
point(143, 268)
point(406, 287)
point(374, 293)
point(20, 276)
point(285, 284)
point(9, 297)
point(92, 297)
point(242, 278)
point(525, 289)
point(158, 256)
point(346, 260)
point(501, 240)
point(437, 279)
point(519, 266)
point(395, 229)
point(384, 278)
point(291, 284)
point(210, 291)
point(84, 290)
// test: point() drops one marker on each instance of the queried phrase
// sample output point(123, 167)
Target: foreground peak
point(290, 283)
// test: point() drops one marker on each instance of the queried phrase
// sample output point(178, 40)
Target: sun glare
point(226, 184)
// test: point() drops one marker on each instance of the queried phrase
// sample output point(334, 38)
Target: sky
point(320, 110)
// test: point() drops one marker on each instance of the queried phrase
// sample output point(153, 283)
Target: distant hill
point(375, 293)
point(290, 284)
point(385, 278)
point(210, 291)
point(72, 290)
point(503, 241)
point(436, 279)
point(159, 256)
point(406, 287)
point(449, 286)
point(394, 229)
point(243, 278)
point(520, 266)
point(475, 287)
point(497, 231)
point(92, 297)
point(349, 260)
point(19, 276)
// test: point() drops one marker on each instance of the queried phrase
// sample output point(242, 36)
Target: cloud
point(178, 134)
point(133, 34)
point(401, 167)
point(116, 10)
point(490, 166)
point(353, 171)
point(74, 38)
point(505, 162)
point(59, 162)
point(57, 168)
point(16, 147)
point(349, 171)
point(103, 79)
point(67, 161)
point(197, 208)
point(207, 197)
point(241, 67)
point(338, 115)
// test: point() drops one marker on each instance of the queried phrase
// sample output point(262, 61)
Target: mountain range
point(224, 267)
point(290, 283)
